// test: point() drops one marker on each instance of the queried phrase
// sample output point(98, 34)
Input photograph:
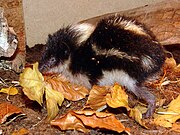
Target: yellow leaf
point(170, 115)
point(161, 121)
point(9, 91)
point(174, 106)
point(32, 82)
point(53, 99)
point(34, 86)
point(136, 114)
point(117, 98)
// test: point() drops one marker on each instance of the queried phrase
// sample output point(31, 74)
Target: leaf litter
point(106, 96)
point(8, 110)
point(80, 120)
point(34, 87)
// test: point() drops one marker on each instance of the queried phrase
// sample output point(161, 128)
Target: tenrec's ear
point(50, 40)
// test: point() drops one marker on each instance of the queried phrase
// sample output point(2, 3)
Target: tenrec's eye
point(65, 52)
point(52, 59)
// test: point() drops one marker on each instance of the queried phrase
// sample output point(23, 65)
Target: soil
point(35, 114)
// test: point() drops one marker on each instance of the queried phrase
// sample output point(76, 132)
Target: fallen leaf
point(174, 106)
point(81, 120)
point(113, 96)
point(8, 110)
point(97, 97)
point(35, 87)
point(177, 70)
point(22, 131)
point(70, 91)
point(117, 97)
point(160, 102)
point(176, 127)
point(69, 121)
point(170, 115)
point(170, 64)
point(33, 84)
point(9, 91)
point(136, 114)
point(53, 99)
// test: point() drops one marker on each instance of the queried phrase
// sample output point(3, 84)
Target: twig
point(3, 82)
point(168, 113)
point(37, 123)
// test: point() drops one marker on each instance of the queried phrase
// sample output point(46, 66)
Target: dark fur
point(84, 60)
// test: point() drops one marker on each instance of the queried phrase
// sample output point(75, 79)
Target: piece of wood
point(7, 38)
point(163, 19)
point(8, 41)
point(13, 11)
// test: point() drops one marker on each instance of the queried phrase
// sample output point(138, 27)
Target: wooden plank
point(163, 19)
point(13, 11)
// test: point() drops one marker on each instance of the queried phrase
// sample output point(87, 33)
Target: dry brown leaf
point(170, 115)
point(176, 127)
point(80, 120)
point(97, 97)
point(177, 71)
point(170, 63)
point(9, 91)
point(117, 97)
point(8, 110)
point(35, 87)
point(114, 96)
point(70, 91)
point(172, 69)
point(69, 121)
point(22, 131)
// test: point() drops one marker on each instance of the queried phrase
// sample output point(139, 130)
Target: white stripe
point(78, 78)
point(119, 76)
point(84, 30)
point(128, 25)
point(113, 52)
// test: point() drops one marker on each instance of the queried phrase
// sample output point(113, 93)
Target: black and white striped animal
point(117, 49)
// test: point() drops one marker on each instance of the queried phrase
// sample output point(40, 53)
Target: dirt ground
point(35, 122)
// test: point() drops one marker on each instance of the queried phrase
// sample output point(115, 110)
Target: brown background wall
point(46, 16)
